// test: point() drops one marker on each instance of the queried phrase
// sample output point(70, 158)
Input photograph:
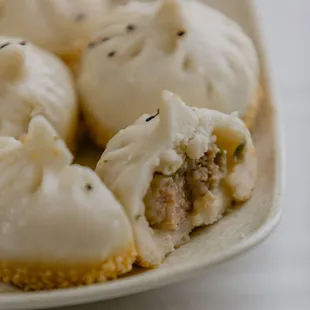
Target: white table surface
point(275, 275)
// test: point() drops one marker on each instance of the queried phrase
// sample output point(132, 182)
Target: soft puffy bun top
point(52, 211)
point(34, 81)
point(181, 45)
point(56, 25)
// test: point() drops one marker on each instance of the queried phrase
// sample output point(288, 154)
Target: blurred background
point(276, 274)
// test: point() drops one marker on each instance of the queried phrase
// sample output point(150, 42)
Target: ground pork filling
point(170, 199)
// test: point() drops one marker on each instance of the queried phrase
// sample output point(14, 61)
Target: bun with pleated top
point(59, 26)
point(60, 225)
point(35, 82)
point(178, 169)
point(181, 45)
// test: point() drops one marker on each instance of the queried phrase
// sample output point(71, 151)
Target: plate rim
point(161, 277)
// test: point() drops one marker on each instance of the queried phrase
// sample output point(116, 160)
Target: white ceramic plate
point(235, 233)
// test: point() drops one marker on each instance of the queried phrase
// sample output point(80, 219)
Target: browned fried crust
point(40, 276)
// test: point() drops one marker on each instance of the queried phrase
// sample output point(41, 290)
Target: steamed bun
point(34, 82)
point(60, 26)
point(184, 46)
point(60, 226)
point(176, 170)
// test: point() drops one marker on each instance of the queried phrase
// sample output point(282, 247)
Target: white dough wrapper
point(176, 171)
point(59, 26)
point(60, 226)
point(34, 81)
point(181, 45)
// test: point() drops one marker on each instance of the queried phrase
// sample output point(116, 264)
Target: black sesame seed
point(153, 116)
point(137, 217)
point(111, 54)
point(4, 45)
point(130, 27)
point(238, 153)
point(23, 43)
point(181, 33)
point(88, 187)
point(80, 17)
point(91, 45)
point(95, 43)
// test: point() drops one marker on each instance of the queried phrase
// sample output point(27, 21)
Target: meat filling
point(170, 199)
